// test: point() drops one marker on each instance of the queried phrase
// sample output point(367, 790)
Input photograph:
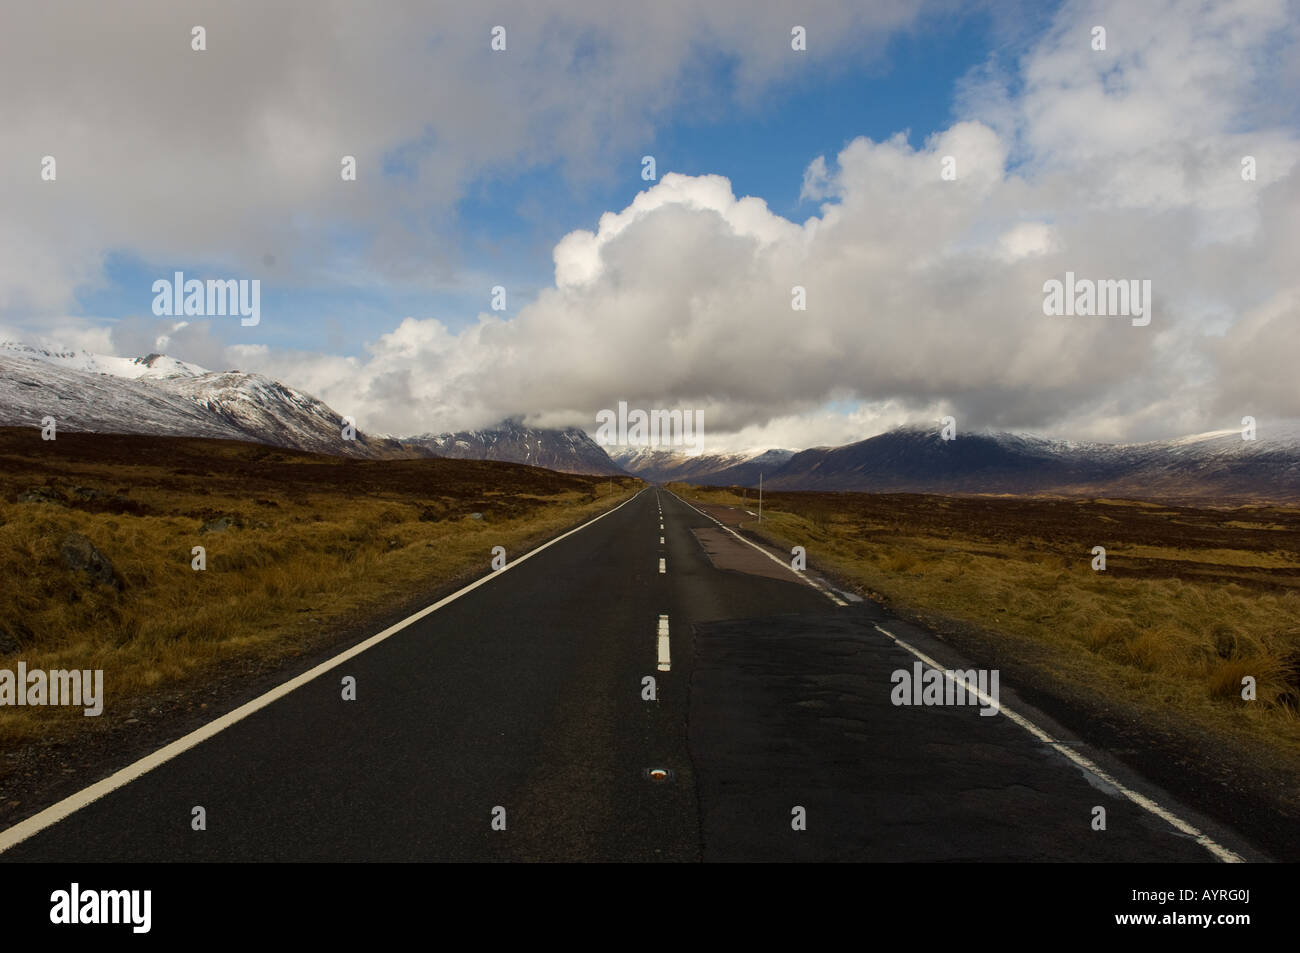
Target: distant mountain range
point(160, 395)
point(1217, 465)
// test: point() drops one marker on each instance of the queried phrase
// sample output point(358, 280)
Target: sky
point(919, 169)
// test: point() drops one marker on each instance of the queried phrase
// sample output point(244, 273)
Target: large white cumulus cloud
point(925, 295)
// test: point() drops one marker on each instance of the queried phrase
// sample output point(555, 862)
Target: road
point(521, 705)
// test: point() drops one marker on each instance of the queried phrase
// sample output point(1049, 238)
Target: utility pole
point(760, 497)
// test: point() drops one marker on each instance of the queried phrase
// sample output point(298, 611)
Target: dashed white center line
point(663, 565)
point(665, 662)
point(661, 540)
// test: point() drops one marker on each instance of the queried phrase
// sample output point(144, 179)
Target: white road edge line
point(811, 582)
point(75, 802)
point(1141, 800)
point(665, 662)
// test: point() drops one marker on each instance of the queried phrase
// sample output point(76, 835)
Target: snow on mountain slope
point(132, 368)
point(1219, 464)
point(569, 451)
point(266, 410)
point(156, 394)
point(663, 465)
point(161, 396)
point(32, 389)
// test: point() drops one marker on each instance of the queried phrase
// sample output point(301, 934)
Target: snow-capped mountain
point(161, 396)
point(1212, 465)
point(266, 410)
point(569, 450)
point(133, 368)
point(661, 465)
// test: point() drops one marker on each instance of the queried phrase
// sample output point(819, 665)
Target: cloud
point(138, 336)
point(816, 181)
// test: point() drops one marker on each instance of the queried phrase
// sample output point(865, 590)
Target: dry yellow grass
point(321, 542)
point(1163, 628)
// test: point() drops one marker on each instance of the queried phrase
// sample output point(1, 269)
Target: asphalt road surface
point(521, 705)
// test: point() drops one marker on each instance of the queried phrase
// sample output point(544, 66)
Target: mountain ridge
point(567, 450)
point(157, 394)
